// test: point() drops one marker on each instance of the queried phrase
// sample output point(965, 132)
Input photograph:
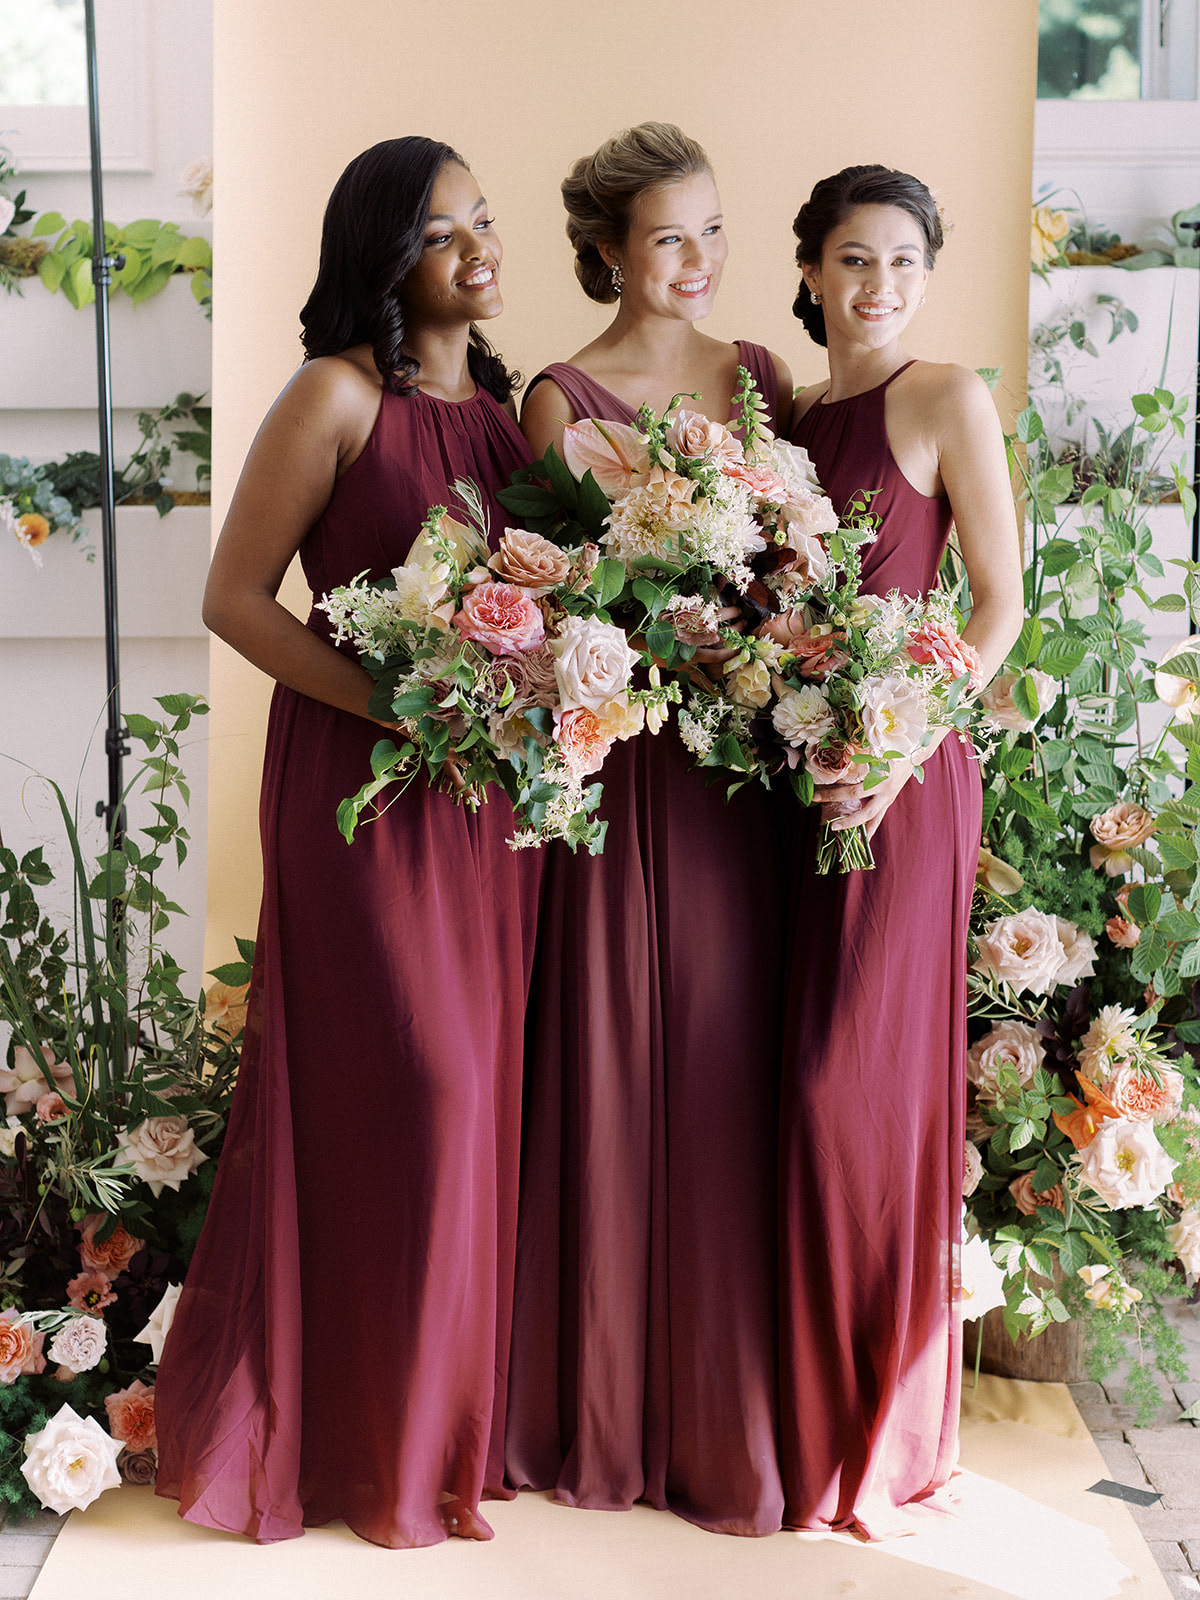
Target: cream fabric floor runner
point(1027, 1529)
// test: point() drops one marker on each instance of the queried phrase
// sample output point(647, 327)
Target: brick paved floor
point(1164, 1457)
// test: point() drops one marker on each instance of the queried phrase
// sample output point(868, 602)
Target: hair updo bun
point(600, 190)
point(832, 201)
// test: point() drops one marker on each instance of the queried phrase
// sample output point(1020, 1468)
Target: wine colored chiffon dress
point(340, 1348)
point(873, 1087)
point(644, 1356)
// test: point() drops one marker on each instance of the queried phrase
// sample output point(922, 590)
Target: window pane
point(1089, 49)
point(42, 54)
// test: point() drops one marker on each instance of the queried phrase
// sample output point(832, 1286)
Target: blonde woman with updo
point(644, 1344)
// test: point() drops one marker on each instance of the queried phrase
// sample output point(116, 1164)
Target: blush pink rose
point(1123, 934)
point(583, 739)
point(1117, 831)
point(110, 1256)
point(695, 438)
point(1023, 950)
point(766, 486)
point(818, 653)
point(20, 1348)
point(500, 618)
point(937, 644)
point(131, 1416)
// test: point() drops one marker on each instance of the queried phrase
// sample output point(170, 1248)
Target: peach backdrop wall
point(780, 93)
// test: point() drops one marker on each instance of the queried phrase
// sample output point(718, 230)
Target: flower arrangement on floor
point(1083, 1166)
point(501, 668)
point(116, 1088)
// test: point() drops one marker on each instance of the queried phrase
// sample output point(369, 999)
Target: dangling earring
point(814, 297)
point(618, 279)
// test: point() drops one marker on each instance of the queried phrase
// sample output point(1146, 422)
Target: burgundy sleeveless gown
point(341, 1344)
point(644, 1359)
point(873, 1088)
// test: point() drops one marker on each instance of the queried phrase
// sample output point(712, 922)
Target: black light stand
point(1195, 227)
point(116, 735)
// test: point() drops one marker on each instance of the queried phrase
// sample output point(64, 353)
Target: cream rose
point(79, 1344)
point(1079, 952)
point(155, 1332)
point(972, 1169)
point(70, 1462)
point(893, 716)
point(1179, 693)
point(162, 1151)
point(803, 716)
point(1049, 229)
point(529, 561)
point(1125, 1164)
point(621, 720)
point(1023, 950)
point(998, 702)
point(1184, 1238)
point(810, 559)
point(592, 662)
point(196, 184)
point(1117, 831)
point(1009, 1044)
point(7, 212)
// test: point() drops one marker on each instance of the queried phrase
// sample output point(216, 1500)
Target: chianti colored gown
point(644, 1363)
point(872, 1108)
point(341, 1344)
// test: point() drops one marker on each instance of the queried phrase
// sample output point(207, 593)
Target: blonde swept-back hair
point(600, 190)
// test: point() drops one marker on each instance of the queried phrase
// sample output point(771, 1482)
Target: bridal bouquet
point(497, 669)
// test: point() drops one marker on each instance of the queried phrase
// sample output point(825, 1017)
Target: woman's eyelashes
point(484, 225)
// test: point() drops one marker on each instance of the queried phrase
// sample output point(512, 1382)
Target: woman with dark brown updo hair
point(875, 1036)
point(340, 1346)
point(644, 1343)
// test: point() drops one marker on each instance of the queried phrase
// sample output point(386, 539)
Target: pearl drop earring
point(618, 279)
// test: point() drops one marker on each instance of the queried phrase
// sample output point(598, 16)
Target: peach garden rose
point(1117, 831)
point(583, 740)
point(110, 1256)
point(131, 1416)
point(20, 1347)
point(500, 618)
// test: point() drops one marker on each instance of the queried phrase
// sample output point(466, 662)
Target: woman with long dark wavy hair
point(340, 1346)
point(874, 1058)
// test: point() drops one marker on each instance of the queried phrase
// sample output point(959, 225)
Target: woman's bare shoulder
point(804, 399)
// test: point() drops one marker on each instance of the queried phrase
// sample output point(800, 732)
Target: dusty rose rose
point(529, 561)
point(90, 1291)
point(163, 1151)
point(1009, 1044)
point(131, 1416)
point(500, 618)
point(803, 716)
point(592, 662)
point(692, 622)
point(766, 486)
point(1117, 831)
point(1027, 1199)
point(583, 740)
point(1079, 952)
point(110, 1256)
point(1080, 1125)
point(23, 1084)
point(20, 1347)
point(937, 644)
point(80, 1344)
point(225, 1007)
point(138, 1466)
point(829, 763)
point(51, 1107)
point(1135, 1094)
point(1024, 950)
point(1123, 934)
point(817, 651)
point(972, 1170)
point(998, 702)
point(695, 437)
point(613, 453)
point(893, 716)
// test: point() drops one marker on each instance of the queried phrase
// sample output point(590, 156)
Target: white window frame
point(55, 138)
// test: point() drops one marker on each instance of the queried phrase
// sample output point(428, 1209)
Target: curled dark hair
point(832, 201)
point(371, 239)
point(600, 190)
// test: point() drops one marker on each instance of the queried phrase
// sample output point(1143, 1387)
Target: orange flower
point(1080, 1125)
point(32, 529)
point(225, 1008)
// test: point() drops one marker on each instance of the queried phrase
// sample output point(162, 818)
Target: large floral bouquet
point(499, 668)
point(116, 1088)
point(1084, 1160)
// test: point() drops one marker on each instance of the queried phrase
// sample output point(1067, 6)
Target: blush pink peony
point(500, 618)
